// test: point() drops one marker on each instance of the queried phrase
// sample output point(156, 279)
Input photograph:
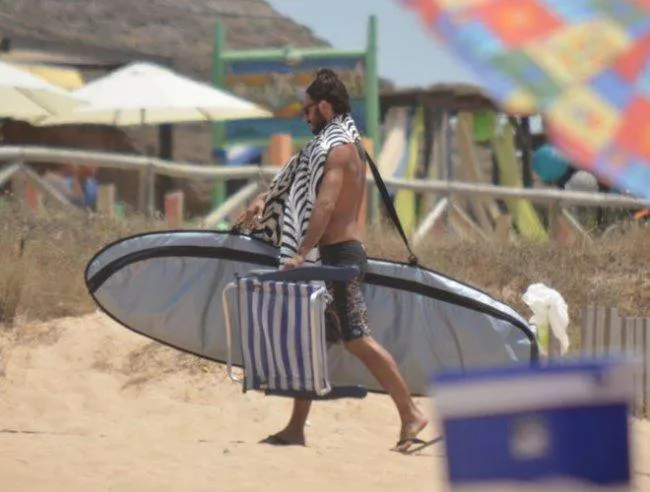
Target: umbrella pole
point(151, 191)
point(147, 185)
point(164, 184)
point(166, 142)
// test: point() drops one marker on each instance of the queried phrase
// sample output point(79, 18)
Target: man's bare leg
point(383, 367)
point(294, 432)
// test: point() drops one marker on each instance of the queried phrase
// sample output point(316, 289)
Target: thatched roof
point(181, 31)
point(170, 31)
point(443, 96)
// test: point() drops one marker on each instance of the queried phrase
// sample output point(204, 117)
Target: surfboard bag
point(282, 332)
point(169, 286)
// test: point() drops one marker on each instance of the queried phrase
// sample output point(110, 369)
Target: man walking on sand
point(335, 162)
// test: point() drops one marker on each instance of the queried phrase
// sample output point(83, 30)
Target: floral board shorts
point(346, 317)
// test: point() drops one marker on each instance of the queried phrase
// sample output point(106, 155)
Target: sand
point(87, 405)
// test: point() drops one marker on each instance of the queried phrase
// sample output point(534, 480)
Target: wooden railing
point(17, 159)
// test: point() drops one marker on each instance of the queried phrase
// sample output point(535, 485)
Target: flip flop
point(411, 441)
point(275, 440)
point(420, 444)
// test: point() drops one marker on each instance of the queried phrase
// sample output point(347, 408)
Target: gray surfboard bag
point(168, 286)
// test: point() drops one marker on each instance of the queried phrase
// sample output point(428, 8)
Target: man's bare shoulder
point(340, 156)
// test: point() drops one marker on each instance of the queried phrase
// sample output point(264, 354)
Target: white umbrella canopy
point(24, 96)
point(144, 93)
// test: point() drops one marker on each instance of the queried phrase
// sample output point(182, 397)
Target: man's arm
point(328, 194)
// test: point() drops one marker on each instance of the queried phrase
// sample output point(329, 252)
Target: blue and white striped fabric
point(283, 336)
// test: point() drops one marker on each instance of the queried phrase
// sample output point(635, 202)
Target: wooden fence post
point(433, 223)
point(463, 224)
point(614, 334)
point(142, 191)
point(469, 170)
point(17, 181)
point(280, 149)
point(600, 332)
point(33, 198)
point(9, 173)
point(502, 228)
point(151, 192)
point(587, 330)
point(175, 209)
point(605, 333)
point(630, 352)
point(640, 381)
point(106, 200)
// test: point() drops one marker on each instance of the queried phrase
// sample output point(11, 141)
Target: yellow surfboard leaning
point(524, 215)
point(406, 200)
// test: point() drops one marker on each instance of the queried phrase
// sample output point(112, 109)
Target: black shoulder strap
point(413, 260)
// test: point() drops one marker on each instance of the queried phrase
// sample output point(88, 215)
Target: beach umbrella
point(24, 96)
point(147, 94)
point(583, 64)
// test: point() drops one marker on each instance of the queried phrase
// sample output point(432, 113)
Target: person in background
point(555, 169)
point(90, 186)
point(77, 183)
point(551, 165)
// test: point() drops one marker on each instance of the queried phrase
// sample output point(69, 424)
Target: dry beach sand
point(87, 405)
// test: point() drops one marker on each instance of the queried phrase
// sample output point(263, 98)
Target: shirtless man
point(333, 227)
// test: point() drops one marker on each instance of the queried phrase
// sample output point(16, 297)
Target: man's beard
point(319, 123)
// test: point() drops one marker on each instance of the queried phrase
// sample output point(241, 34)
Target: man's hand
point(255, 209)
point(294, 262)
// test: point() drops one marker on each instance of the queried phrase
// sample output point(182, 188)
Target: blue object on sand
point(559, 427)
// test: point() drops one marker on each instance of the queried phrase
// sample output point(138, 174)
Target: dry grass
point(43, 259)
point(610, 272)
point(12, 281)
point(44, 279)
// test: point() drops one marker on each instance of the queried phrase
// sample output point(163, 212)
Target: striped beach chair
point(282, 332)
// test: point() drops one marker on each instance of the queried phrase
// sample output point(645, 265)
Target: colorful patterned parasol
point(584, 64)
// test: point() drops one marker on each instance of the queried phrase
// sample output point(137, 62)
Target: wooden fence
point(14, 163)
point(605, 333)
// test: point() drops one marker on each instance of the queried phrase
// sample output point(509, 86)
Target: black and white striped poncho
point(293, 191)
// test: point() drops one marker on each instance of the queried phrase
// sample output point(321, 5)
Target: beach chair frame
point(322, 388)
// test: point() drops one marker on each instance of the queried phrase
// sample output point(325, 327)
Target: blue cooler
point(559, 427)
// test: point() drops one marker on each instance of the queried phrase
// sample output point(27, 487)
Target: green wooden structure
point(285, 59)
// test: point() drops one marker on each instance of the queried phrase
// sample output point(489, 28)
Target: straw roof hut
point(97, 36)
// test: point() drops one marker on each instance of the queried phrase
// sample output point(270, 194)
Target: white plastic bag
point(550, 314)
